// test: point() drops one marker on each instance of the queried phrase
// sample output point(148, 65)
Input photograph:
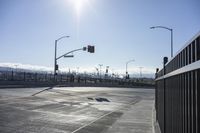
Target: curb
point(155, 124)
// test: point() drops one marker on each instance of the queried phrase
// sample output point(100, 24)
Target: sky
point(119, 30)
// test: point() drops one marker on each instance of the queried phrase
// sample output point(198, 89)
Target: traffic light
point(91, 49)
point(165, 59)
point(56, 67)
point(84, 48)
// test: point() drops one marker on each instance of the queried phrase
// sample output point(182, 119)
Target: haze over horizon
point(119, 29)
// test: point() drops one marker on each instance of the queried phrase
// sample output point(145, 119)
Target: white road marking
point(137, 100)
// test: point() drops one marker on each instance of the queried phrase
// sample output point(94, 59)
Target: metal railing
point(19, 77)
point(177, 97)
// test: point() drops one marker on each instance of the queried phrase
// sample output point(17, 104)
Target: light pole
point(140, 72)
point(77, 70)
point(100, 65)
point(55, 58)
point(113, 73)
point(97, 71)
point(171, 30)
point(106, 74)
point(127, 66)
point(16, 67)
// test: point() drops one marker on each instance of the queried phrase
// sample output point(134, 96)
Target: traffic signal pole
point(55, 61)
point(91, 49)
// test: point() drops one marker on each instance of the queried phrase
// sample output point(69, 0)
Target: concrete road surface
point(76, 110)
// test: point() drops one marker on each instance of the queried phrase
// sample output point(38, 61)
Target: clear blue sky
point(118, 28)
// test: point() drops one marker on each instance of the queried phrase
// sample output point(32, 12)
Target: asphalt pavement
point(76, 110)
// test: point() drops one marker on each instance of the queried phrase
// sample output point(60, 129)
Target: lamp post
point(106, 74)
point(127, 66)
point(100, 65)
point(112, 73)
point(140, 72)
point(55, 58)
point(97, 69)
point(171, 30)
point(16, 67)
point(77, 70)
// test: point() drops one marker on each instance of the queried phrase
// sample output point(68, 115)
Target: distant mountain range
point(41, 69)
point(23, 68)
point(19, 69)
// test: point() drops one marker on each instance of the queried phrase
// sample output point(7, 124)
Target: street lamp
point(16, 67)
point(97, 71)
point(140, 72)
point(171, 30)
point(127, 66)
point(77, 70)
point(113, 73)
point(106, 74)
point(55, 58)
point(100, 65)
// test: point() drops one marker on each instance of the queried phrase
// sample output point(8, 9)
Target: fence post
point(12, 78)
point(24, 76)
point(165, 60)
point(35, 77)
point(156, 93)
point(45, 80)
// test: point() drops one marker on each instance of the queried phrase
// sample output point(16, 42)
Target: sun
point(79, 5)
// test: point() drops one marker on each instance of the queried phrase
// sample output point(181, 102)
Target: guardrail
point(177, 95)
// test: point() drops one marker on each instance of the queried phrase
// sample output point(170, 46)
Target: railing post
point(12, 78)
point(24, 76)
point(165, 60)
point(156, 93)
point(35, 77)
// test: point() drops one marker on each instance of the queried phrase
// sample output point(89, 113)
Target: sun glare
point(79, 5)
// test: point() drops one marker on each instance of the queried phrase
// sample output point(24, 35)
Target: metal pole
point(100, 71)
point(126, 70)
point(140, 72)
point(127, 66)
point(55, 62)
point(165, 60)
point(55, 58)
point(171, 42)
point(77, 70)
point(100, 65)
point(171, 30)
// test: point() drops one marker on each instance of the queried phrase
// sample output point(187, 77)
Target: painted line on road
point(137, 100)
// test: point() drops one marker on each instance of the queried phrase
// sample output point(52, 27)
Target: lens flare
point(79, 5)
